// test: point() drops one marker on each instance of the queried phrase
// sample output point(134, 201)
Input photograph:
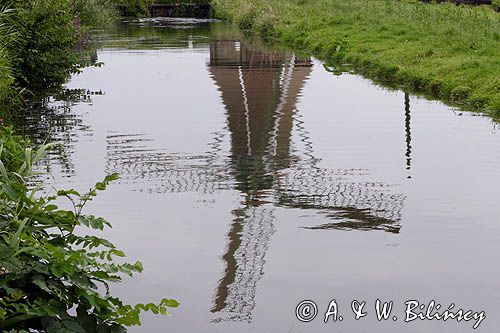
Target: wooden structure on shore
point(197, 10)
point(192, 10)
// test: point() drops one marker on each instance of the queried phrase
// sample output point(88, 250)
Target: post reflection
point(408, 133)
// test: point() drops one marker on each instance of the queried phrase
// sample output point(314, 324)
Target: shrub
point(43, 35)
point(42, 52)
point(93, 14)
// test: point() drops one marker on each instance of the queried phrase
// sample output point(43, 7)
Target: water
point(253, 179)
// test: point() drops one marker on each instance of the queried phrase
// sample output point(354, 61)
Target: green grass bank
point(446, 51)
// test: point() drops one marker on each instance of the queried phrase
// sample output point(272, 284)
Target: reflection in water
point(51, 119)
point(408, 133)
point(265, 156)
point(260, 91)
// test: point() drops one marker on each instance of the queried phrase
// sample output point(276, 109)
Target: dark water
point(253, 179)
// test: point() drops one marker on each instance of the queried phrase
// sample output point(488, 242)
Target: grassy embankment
point(446, 51)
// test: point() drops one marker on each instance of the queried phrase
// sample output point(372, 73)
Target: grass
point(5, 74)
point(447, 51)
point(6, 78)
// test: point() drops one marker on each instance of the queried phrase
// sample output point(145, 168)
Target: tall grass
point(451, 52)
point(6, 78)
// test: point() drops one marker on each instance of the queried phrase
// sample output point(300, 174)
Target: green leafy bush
point(43, 35)
point(53, 278)
point(93, 14)
point(42, 52)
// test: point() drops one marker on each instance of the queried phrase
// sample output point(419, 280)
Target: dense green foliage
point(47, 33)
point(134, 8)
point(447, 51)
point(49, 269)
point(37, 39)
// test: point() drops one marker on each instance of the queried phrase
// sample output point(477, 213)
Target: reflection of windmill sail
point(353, 205)
point(51, 119)
point(249, 239)
point(160, 171)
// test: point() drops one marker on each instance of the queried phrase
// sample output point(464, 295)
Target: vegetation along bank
point(38, 39)
point(446, 51)
point(54, 277)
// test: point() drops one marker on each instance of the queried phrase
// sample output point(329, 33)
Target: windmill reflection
point(260, 91)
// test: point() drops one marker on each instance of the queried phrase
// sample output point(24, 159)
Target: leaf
point(41, 152)
point(14, 243)
point(5, 251)
point(39, 281)
point(93, 222)
point(111, 177)
point(10, 190)
point(50, 207)
point(73, 326)
point(3, 171)
point(28, 155)
point(171, 303)
point(12, 265)
point(64, 193)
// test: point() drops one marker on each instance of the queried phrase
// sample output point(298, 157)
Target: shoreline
point(408, 45)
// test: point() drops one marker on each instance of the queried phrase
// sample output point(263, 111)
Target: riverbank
point(446, 51)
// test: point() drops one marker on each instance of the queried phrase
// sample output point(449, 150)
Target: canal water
point(253, 179)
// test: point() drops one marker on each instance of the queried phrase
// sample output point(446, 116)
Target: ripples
point(169, 22)
point(157, 171)
point(260, 161)
point(153, 34)
point(51, 119)
point(264, 153)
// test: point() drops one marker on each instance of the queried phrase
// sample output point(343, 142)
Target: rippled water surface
point(253, 179)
